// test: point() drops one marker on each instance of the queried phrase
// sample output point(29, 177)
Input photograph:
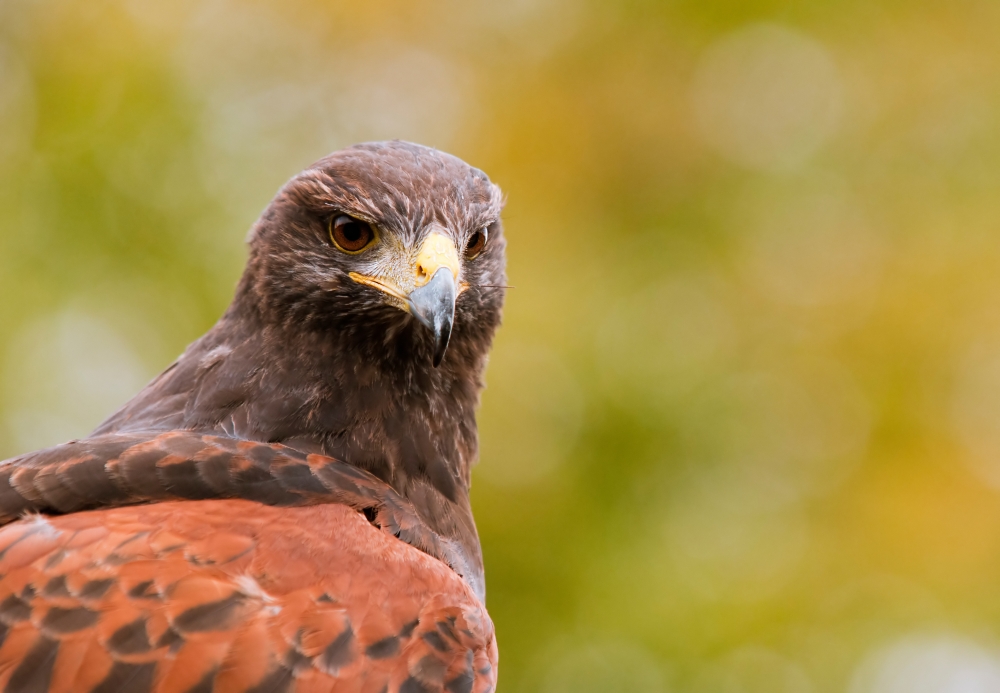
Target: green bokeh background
point(742, 429)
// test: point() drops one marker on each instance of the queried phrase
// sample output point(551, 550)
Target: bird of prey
point(286, 507)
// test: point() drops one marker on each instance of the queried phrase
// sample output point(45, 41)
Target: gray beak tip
point(433, 304)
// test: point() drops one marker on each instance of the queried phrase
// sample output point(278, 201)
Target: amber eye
point(349, 234)
point(477, 242)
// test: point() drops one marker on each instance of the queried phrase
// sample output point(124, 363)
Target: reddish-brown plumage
point(285, 508)
point(236, 595)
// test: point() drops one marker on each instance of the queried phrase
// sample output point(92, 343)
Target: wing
point(233, 595)
point(125, 469)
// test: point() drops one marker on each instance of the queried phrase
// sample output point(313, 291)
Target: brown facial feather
point(322, 466)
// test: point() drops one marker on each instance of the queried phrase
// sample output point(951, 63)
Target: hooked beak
point(435, 287)
point(433, 304)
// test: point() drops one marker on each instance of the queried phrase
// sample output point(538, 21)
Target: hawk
point(285, 507)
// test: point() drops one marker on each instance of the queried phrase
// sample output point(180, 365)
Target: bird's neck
point(379, 409)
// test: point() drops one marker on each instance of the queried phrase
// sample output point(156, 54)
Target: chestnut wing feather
point(231, 595)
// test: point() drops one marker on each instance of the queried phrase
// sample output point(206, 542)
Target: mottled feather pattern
point(230, 595)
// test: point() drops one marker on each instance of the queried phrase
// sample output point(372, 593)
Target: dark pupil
point(474, 241)
point(352, 231)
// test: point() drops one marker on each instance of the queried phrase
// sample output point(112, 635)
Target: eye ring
point(350, 235)
point(476, 243)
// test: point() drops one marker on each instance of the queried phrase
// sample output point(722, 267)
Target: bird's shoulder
point(118, 469)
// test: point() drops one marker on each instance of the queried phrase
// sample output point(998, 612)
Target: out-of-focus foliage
point(742, 431)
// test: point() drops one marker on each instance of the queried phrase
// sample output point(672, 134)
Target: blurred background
point(742, 429)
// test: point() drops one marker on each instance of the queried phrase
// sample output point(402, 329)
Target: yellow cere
point(437, 251)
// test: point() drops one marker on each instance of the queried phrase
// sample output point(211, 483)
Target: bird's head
point(394, 243)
